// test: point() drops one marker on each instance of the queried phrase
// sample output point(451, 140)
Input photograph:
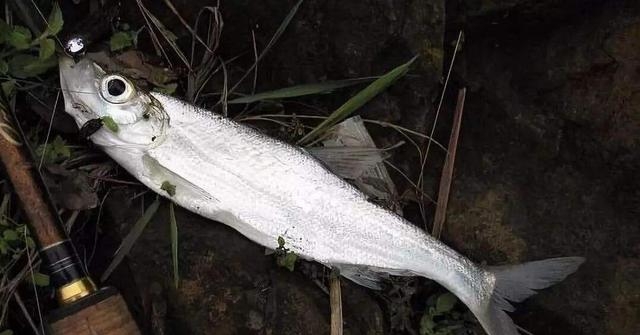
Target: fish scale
point(265, 189)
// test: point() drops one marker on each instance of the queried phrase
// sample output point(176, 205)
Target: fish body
point(265, 189)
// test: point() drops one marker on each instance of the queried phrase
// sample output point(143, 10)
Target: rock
point(551, 129)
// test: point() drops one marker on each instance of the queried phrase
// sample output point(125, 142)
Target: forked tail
point(515, 283)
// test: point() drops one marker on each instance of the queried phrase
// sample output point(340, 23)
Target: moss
point(623, 314)
point(480, 227)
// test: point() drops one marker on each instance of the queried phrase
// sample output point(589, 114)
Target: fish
point(267, 189)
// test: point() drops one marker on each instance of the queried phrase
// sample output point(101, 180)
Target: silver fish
point(266, 189)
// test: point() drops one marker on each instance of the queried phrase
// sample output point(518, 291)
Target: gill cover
point(135, 117)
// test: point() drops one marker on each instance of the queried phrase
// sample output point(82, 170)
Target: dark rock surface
point(549, 158)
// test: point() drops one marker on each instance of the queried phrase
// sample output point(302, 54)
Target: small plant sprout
point(168, 187)
point(284, 257)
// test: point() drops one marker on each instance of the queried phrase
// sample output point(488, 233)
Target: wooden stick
point(42, 223)
point(84, 310)
point(447, 170)
point(335, 298)
point(64, 267)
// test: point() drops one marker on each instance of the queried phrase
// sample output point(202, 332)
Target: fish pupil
point(116, 87)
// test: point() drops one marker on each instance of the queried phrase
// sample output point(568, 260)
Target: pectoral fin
point(157, 174)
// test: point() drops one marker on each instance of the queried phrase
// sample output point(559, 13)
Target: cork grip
point(103, 313)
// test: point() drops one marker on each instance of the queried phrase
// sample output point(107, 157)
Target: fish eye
point(116, 89)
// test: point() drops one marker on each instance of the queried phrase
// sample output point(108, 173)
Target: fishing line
point(33, 281)
point(45, 85)
point(46, 140)
point(46, 22)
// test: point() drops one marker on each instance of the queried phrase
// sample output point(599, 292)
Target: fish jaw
point(140, 121)
point(79, 89)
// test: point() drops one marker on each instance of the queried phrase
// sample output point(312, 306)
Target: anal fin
point(363, 276)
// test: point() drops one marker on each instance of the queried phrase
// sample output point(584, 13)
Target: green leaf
point(445, 303)
point(4, 247)
point(108, 122)
point(20, 38)
point(31, 244)
point(288, 260)
point(41, 279)
point(55, 21)
point(284, 257)
point(167, 89)
point(4, 67)
point(10, 235)
point(54, 152)
point(5, 29)
point(131, 238)
point(47, 48)
point(300, 90)
point(168, 187)
point(26, 66)
point(174, 244)
point(8, 87)
point(357, 101)
point(6, 332)
point(120, 40)
point(427, 325)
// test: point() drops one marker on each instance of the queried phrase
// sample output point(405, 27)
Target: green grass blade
point(300, 90)
point(131, 238)
point(167, 34)
point(283, 26)
point(357, 101)
point(174, 244)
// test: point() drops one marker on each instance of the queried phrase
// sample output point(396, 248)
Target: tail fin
point(516, 283)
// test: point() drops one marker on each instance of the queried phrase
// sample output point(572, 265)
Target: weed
point(109, 123)
point(442, 318)
point(23, 56)
point(54, 152)
point(285, 257)
point(168, 187)
point(174, 244)
point(15, 243)
point(131, 238)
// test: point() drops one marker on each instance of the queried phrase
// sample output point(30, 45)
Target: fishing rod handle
point(102, 313)
point(58, 254)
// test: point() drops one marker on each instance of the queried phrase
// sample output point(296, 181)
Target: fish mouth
point(71, 74)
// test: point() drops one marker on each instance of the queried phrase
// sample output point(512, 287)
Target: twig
point(33, 280)
point(380, 123)
point(18, 300)
point(186, 25)
point(46, 140)
point(447, 170)
point(335, 298)
point(435, 122)
point(272, 41)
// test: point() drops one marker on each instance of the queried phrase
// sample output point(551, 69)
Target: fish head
point(131, 117)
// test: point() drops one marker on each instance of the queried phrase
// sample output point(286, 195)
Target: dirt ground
point(547, 164)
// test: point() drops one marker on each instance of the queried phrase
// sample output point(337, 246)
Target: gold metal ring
point(75, 290)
